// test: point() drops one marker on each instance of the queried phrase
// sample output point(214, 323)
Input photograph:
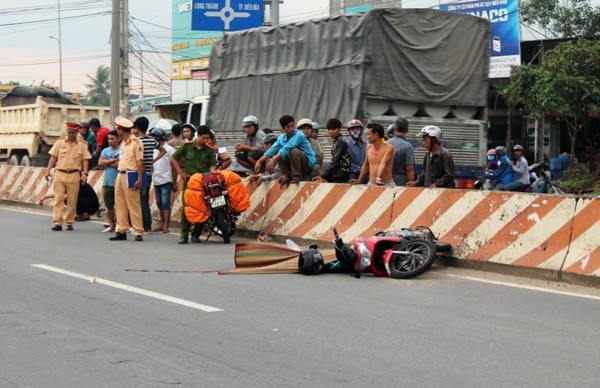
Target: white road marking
point(125, 287)
point(522, 286)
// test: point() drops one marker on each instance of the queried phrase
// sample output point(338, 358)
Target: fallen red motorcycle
point(402, 254)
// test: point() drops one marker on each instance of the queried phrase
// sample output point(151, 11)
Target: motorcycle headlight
point(365, 255)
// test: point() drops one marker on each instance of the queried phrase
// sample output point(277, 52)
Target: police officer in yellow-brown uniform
point(127, 193)
point(70, 159)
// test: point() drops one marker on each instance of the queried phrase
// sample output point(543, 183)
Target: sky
point(28, 55)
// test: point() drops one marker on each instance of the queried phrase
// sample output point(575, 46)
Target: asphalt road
point(447, 328)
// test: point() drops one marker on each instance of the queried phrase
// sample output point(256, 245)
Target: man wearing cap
point(199, 158)
point(140, 128)
point(70, 159)
point(403, 170)
point(291, 151)
point(357, 148)
point(305, 125)
point(251, 150)
point(128, 198)
point(315, 130)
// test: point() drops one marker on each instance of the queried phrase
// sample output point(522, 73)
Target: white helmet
point(250, 120)
point(431, 131)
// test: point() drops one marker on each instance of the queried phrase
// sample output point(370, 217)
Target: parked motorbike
point(401, 254)
point(543, 179)
point(222, 219)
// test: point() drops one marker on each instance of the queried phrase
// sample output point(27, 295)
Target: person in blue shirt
point(357, 147)
point(504, 174)
point(109, 160)
point(292, 152)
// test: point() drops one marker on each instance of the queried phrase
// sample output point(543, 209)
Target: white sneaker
point(131, 230)
point(107, 230)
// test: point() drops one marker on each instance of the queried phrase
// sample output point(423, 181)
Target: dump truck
point(32, 119)
point(428, 66)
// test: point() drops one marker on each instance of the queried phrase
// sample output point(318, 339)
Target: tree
point(562, 18)
point(566, 85)
point(99, 87)
point(571, 89)
point(512, 98)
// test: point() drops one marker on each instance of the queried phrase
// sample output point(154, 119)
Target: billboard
point(190, 49)
point(505, 45)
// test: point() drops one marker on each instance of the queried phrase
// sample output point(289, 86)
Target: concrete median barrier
point(555, 233)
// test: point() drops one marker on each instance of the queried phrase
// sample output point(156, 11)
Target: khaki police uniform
point(128, 206)
point(67, 176)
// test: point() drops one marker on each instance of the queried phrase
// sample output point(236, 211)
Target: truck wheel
point(14, 160)
point(25, 161)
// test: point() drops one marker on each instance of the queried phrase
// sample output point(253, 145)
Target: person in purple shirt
point(292, 152)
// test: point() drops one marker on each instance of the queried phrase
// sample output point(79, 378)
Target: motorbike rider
point(438, 164)
point(520, 167)
point(251, 150)
point(504, 174)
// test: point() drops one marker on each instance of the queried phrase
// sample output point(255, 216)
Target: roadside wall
point(556, 233)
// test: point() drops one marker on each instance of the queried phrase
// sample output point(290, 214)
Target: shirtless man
point(379, 161)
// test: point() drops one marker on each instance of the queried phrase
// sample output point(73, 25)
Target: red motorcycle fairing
point(378, 246)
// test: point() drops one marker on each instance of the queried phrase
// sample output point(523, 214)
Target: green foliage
point(99, 87)
point(566, 85)
point(562, 18)
point(579, 180)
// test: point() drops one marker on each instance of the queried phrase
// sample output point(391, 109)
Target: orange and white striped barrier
point(556, 233)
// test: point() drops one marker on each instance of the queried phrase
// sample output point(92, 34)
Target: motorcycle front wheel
point(221, 220)
point(411, 258)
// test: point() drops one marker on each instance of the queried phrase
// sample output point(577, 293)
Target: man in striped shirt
point(140, 127)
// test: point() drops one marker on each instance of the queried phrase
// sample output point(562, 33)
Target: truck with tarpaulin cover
point(32, 119)
point(428, 66)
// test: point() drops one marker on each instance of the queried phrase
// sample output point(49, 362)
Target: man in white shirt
point(163, 178)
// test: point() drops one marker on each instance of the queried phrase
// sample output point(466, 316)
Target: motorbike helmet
point(518, 147)
point(491, 152)
point(190, 126)
point(500, 150)
point(159, 133)
point(390, 130)
point(270, 138)
point(354, 123)
point(310, 261)
point(248, 120)
point(431, 131)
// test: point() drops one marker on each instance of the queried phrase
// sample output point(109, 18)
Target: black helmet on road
point(310, 262)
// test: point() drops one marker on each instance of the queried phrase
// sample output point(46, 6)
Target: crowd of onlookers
point(168, 157)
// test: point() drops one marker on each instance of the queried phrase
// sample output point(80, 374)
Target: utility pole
point(115, 61)
point(274, 13)
point(124, 93)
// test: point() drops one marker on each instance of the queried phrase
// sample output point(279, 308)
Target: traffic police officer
point(127, 199)
point(70, 159)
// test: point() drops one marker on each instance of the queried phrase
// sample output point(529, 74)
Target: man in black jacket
point(338, 170)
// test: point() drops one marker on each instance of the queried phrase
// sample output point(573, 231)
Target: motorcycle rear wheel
point(222, 223)
point(411, 258)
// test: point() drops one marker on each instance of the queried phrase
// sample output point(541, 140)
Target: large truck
point(428, 66)
point(32, 119)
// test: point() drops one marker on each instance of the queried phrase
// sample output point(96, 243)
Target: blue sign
point(226, 15)
point(505, 39)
